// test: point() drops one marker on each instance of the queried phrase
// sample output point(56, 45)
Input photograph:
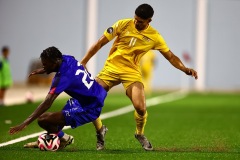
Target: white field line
point(149, 102)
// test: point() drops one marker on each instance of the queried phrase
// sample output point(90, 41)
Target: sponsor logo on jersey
point(146, 38)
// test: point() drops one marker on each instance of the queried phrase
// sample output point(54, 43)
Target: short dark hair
point(5, 49)
point(144, 11)
point(51, 53)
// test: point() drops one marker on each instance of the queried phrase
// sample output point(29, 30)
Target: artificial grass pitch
point(200, 126)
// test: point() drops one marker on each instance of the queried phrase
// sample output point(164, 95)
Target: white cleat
point(144, 142)
point(65, 143)
point(31, 145)
point(100, 138)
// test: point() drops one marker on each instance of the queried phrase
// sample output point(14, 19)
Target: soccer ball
point(48, 142)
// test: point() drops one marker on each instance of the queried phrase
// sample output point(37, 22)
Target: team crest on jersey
point(110, 30)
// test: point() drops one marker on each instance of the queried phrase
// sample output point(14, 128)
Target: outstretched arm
point(93, 50)
point(177, 63)
point(37, 71)
point(44, 106)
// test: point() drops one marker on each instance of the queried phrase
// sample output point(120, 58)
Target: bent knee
point(141, 111)
point(43, 118)
point(140, 108)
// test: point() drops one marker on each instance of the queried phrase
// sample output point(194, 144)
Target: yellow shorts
point(126, 77)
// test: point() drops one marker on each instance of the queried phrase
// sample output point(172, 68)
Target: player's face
point(141, 24)
point(49, 66)
point(5, 54)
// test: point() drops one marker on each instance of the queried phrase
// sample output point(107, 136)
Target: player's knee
point(141, 111)
point(43, 119)
point(140, 108)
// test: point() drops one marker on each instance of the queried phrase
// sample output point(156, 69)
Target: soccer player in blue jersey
point(85, 105)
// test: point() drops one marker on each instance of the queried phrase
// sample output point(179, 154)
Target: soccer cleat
point(100, 138)
point(144, 142)
point(64, 143)
point(31, 145)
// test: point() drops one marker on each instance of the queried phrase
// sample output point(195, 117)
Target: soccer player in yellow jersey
point(147, 64)
point(134, 37)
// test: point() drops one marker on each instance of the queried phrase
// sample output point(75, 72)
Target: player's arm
point(44, 106)
point(94, 49)
point(37, 71)
point(177, 63)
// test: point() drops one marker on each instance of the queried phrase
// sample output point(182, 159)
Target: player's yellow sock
point(140, 121)
point(97, 124)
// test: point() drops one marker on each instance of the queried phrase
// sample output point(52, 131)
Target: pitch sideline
point(149, 102)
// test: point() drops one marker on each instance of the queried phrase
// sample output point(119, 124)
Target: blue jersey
point(73, 79)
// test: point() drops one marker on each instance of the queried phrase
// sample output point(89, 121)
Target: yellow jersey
point(130, 45)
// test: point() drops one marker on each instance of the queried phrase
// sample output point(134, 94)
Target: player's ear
point(58, 61)
point(150, 20)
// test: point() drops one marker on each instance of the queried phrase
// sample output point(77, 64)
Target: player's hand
point(18, 128)
point(37, 71)
point(191, 72)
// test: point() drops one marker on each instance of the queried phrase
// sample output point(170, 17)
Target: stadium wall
point(28, 27)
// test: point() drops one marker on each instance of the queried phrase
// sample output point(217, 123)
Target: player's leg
point(101, 131)
point(98, 122)
point(102, 83)
point(135, 92)
point(76, 115)
point(2, 93)
point(106, 81)
point(53, 122)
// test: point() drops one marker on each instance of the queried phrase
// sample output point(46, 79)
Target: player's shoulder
point(152, 30)
point(69, 64)
point(124, 22)
point(69, 57)
point(154, 33)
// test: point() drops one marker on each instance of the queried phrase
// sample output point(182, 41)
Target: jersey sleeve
point(114, 30)
point(161, 44)
point(59, 85)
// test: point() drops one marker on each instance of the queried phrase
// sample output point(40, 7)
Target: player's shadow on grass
point(156, 149)
point(105, 151)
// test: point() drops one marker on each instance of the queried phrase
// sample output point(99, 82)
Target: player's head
point(51, 59)
point(143, 16)
point(5, 51)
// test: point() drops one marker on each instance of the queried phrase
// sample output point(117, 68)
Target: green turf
point(200, 126)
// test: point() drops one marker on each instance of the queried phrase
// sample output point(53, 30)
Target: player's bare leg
point(53, 123)
point(2, 94)
point(136, 93)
